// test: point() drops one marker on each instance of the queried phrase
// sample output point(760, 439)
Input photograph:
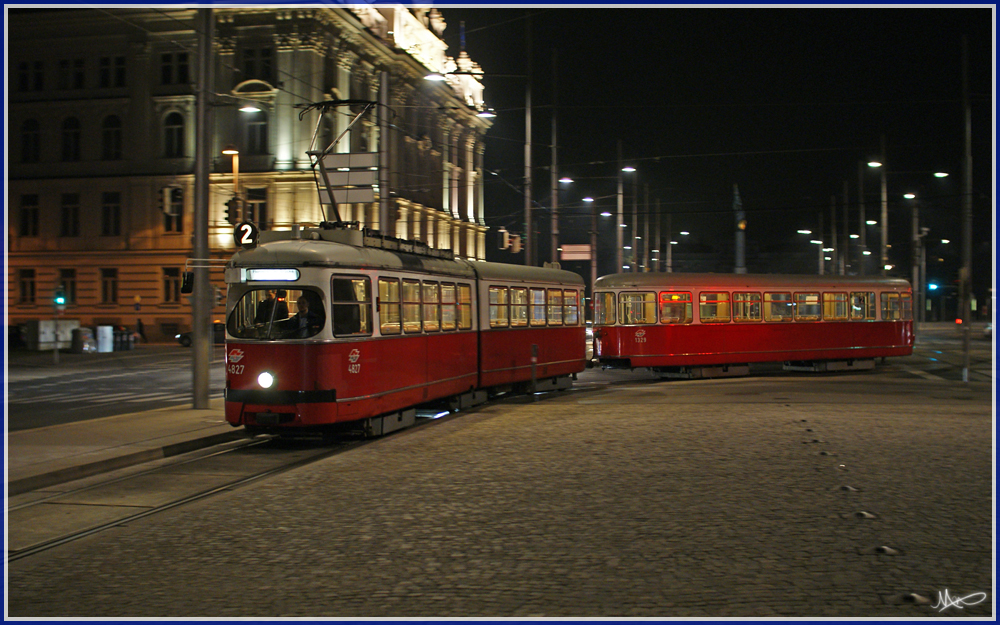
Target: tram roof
point(313, 253)
point(523, 273)
point(745, 281)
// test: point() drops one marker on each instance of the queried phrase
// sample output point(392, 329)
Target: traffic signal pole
point(200, 305)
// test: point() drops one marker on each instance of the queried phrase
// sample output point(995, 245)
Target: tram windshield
point(273, 314)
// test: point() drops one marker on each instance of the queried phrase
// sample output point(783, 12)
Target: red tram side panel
point(324, 331)
point(700, 320)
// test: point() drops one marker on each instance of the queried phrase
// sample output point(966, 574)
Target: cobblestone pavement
point(713, 498)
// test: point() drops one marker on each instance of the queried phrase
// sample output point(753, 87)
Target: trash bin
point(105, 339)
point(83, 341)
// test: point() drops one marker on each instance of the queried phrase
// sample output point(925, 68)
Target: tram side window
point(778, 307)
point(676, 308)
point(746, 307)
point(352, 306)
point(604, 308)
point(432, 306)
point(713, 307)
point(411, 306)
point(637, 308)
point(835, 306)
point(447, 306)
point(536, 313)
point(498, 307)
point(896, 306)
point(862, 306)
point(807, 307)
point(518, 307)
point(571, 307)
point(388, 306)
point(464, 307)
point(555, 312)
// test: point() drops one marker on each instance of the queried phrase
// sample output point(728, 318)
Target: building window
point(29, 216)
point(70, 213)
point(109, 286)
point(173, 209)
point(173, 136)
point(257, 63)
point(111, 214)
point(23, 76)
point(256, 207)
point(257, 133)
point(174, 68)
point(71, 139)
point(111, 72)
point(39, 76)
point(26, 280)
point(31, 141)
point(71, 74)
point(67, 278)
point(171, 285)
point(111, 138)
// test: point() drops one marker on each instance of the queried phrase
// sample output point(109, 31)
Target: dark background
point(783, 102)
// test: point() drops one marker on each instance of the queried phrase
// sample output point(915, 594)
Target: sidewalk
point(52, 455)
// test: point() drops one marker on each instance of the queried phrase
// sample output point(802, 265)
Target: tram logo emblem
point(236, 355)
point(354, 355)
point(640, 336)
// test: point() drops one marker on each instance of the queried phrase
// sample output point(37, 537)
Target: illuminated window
point(713, 307)
point(432, 306)
point(676, 308)
point(807, 306)
point(604, 308)
point(464, 307)
point(862, 306)
point(637, 308)
point(389, 302)
point(571, 307)
point(835, 306)
point(447, 306)
point(518, 307)
point(498, 307)
point(896, 306)
point(555, 312)
point(778, 307)
point(536, 313)
point(746, 307)
point(411, 306)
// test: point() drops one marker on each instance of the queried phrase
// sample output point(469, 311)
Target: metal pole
point(593, 251)
point(833, 234)
point(741, 266)
point(200, 306)
point(915, 258)
point(645, 232)
point(884, 224)
point(555, 170)
point(635, 222)
point(845, 239)
point(659, 237)
point(967, 216)
point(820, 270)
point(619, 235)
point(862, 224)
point(670, 246)
point(528, 245)
point(384, 217)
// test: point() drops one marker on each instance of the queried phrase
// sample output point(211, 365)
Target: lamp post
point(885, 212)
point(621, 214)
point(593, 243)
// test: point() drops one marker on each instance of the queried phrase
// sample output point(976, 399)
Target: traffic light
point(232, 210)
point(515, 245)
point(504, 238)
point(59, 297)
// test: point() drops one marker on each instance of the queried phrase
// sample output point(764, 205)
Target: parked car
point(218, 335)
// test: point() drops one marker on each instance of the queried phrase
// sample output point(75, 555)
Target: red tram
point(334, 328)
point(712, 325)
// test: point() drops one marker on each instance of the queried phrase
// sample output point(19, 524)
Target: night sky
point(784, 102)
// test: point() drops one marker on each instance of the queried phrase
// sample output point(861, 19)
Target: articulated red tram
point(333, 328)
point(711, 325)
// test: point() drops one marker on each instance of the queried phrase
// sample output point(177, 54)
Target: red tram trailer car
point(334, 328)
point(713, 325)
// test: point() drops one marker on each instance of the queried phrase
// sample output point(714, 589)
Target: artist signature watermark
point(945, 600)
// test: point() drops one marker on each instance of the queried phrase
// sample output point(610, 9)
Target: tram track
point(58, 518)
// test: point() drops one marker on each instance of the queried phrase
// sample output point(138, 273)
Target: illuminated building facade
point(101, 151)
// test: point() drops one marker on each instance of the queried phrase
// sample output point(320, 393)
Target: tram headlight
point(265, 380)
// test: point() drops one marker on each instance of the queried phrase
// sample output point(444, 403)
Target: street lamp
point(885, 214)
